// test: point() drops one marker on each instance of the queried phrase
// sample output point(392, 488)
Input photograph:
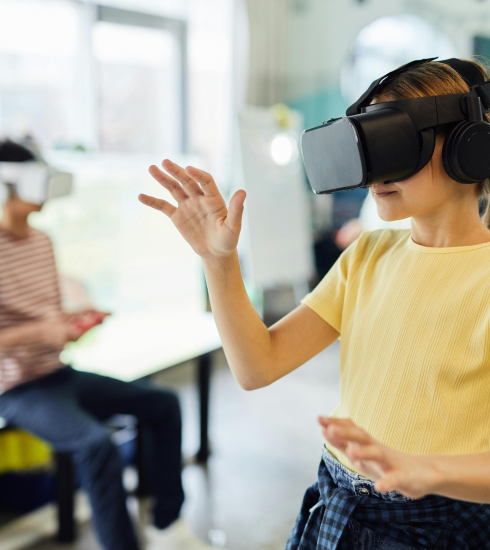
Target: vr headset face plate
point(34, 182)
point(352, 152)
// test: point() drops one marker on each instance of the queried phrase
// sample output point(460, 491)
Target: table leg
point(65, 497)
point(143, 489)
point(204, 379)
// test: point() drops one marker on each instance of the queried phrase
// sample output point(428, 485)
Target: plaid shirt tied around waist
point(433, 522)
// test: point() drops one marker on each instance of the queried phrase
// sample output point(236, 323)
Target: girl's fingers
point(328, 420)
point(373, 453)
point(190, 185)
point(168, 183)
point(235, 211)
point(158, 204)
point(332, 437)
point(205, 180)
point(390, 482)
point(348, 433)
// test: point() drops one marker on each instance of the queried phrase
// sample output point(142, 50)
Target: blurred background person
point(65, 407)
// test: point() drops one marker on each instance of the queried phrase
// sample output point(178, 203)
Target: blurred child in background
point(68, 408)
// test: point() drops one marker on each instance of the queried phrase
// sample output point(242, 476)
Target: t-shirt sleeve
point(327, 299)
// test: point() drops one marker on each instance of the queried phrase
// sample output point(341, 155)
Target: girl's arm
point(462, 477)
point(257, 355)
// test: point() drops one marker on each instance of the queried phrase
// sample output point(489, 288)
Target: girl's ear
point(440, 138)
point(436, 161)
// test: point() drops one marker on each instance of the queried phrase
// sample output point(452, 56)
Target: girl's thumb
point(235, 210)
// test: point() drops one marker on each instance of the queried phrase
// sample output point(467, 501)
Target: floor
point(266, 448)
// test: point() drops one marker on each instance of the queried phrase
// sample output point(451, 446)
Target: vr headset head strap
point(473, 77)
point(483, 91)
point(369, 94)
point(469, 72)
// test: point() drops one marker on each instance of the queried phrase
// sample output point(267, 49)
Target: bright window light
point(139, 103)
point(115, 43)
point(48, 28)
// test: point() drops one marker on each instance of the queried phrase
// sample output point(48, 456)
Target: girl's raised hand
point(201, 215)
point(412, 475)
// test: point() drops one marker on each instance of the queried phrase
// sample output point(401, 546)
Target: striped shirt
point(29, 291)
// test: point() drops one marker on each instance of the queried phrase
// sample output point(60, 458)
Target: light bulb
point(284, 149)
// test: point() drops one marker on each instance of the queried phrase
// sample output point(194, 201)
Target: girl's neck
point(456, 226)
point(17, 225)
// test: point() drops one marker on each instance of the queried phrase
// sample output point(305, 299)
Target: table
point(131, 346)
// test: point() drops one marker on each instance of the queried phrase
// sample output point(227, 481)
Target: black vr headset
point(391, 141)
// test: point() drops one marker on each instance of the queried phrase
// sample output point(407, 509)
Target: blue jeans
point(356, 535)
point(67, 409)
point(343, 511)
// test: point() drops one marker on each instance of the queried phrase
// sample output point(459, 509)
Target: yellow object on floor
point(20, 450)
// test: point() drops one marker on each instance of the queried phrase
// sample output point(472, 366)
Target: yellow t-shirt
point(415, 342)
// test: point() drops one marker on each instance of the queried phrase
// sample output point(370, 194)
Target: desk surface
point(134, 345)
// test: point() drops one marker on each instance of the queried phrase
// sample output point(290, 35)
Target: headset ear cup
point(466, 152)
point(445, 155)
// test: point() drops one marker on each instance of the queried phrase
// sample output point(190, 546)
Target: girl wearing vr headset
point(413, 310)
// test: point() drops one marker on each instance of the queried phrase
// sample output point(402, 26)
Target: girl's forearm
point(246, 340)
point(462, 477)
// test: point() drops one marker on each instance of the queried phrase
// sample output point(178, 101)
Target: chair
point(65, 483)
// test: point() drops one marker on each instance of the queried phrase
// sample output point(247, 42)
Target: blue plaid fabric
point(341, 499)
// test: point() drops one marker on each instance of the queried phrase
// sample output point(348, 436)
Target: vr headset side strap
point(483, 90)
point(428, 111)
point(450, 108)
point(422, 110)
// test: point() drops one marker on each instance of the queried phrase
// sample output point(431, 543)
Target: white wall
point(322, 32)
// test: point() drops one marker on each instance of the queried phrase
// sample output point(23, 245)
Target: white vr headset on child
point(33, 181)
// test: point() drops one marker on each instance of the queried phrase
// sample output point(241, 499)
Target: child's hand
point(83, 321)
point(58, 331)
point(412, 475)
point(201, 215)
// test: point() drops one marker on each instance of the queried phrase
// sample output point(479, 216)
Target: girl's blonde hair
point(433, 78)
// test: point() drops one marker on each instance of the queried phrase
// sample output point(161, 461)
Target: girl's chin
point(388, 216)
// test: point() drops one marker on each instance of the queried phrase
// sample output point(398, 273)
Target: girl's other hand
point(201, 215)
point(412, 475)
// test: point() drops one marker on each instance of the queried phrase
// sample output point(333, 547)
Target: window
point(112, 83)
point(78, 75)
point(38, 76)
point(138, 89)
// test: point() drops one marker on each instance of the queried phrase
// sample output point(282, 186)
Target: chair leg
point(65, 497)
